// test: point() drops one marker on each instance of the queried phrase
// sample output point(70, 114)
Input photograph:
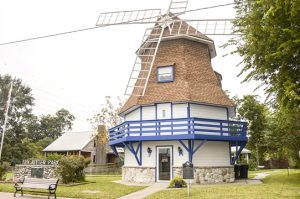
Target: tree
point(250, 109)
point(108, 114)
point(26, 133)
point(51, 126)
point(106, 118)
point(269, 44)
point(20, 107)
point(20, 110)
point(287, 133)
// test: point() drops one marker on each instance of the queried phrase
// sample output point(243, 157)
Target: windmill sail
point(206, 26)
point(145, 57)
point(178, 6)
point(128, 17)
point(166, 26)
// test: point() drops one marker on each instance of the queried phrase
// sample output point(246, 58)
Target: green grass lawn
point(276, 185)
point(102, 188)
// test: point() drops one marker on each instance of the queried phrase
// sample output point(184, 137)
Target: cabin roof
point(71, 141)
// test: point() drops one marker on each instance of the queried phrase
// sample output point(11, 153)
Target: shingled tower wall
point(195, 79)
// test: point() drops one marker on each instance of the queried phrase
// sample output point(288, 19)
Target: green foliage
point(177, 181)
point(252, 165)
point(19, 112)
point(43, 143)
point(286, 134)
point(257, 115)
point(269, 44)
point(54, 156)
point(71, 168)
point(107, 117)
point(49, 126)
point(4, 168)
point(26, 133)
point(30, 149)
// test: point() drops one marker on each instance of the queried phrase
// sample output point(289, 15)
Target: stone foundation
point(25, 170)
point(210, 175)
point(138, 174)
point(202, 175)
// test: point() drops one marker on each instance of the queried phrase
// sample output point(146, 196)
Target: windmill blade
point(178, 6)
point(144, 61)
point(205, 26)
point(129, 17)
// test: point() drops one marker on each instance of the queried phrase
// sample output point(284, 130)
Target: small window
point(165, 74)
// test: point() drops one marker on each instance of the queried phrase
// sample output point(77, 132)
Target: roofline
point(210, 43)
point(68, 150)
point(61, 150)
point(45, 149)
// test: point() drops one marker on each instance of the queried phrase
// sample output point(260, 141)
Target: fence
point(104, 169)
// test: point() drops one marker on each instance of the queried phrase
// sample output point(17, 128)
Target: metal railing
point(180, 126)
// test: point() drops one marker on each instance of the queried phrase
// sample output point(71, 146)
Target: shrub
point(177, 182)
point(4, 168)
point(54, 156)
point(252, 165)
point(71, 168)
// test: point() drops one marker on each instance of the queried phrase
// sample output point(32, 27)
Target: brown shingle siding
point(195, 79)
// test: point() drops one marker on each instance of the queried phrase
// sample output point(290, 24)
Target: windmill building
point(177, 110)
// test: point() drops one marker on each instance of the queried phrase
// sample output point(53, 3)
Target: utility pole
point(6, 117)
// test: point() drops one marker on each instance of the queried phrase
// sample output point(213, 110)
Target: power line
point(78, 118)
point(51, 35)
point(206, 8)
point(61, 104)
point(65, 99)
point(92, 28)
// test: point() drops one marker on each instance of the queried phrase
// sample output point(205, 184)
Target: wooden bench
point(36, 183)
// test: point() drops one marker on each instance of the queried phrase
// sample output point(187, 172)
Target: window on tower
point(165, 74)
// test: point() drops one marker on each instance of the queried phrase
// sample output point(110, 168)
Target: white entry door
point(164, 163)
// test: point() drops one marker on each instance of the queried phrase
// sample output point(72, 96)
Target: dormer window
point(165, 74)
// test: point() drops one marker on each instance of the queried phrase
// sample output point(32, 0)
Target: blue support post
point(236, 156)
point(184, 146)
point(221, 128)
point(128, 129)
point(190, 148)
point(238, 152)
point(189, 116)
point(113, 147)
point(230, 155)
point(135, 151)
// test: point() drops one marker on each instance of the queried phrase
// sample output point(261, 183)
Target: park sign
point(188, 170)
point(40, 162)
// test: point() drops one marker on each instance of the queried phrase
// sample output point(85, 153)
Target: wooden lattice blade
point(205, 26)
point(129, 17)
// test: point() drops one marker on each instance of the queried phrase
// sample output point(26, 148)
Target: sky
point(76, 71)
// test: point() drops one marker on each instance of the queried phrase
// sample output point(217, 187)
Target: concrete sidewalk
point(147, 191)
point(5, 195)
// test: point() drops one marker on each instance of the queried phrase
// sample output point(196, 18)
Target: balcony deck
point(178, 129)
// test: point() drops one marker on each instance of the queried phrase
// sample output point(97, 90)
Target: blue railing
point(177, 127)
